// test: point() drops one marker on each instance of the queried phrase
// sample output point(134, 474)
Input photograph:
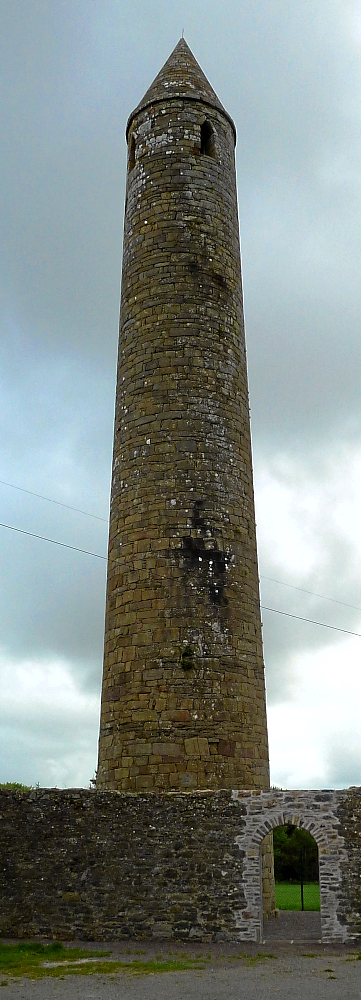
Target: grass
point(27, 958)
point(33, 960)
point(260, 956)
point(139, 968)
point(288, 896)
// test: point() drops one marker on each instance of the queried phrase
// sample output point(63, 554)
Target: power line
point(96, 555)
point(57, 502)
point(311, 592)
point(311, 621)
point(53, 541)
point(78, 510)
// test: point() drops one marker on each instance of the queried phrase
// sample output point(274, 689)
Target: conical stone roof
point(181, 76)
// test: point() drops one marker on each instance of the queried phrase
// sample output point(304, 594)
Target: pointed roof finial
point(181, 76)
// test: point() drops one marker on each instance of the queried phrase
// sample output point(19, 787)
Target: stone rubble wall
point(111, 865)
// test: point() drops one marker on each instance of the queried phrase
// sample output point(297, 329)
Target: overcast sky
point(289, 72)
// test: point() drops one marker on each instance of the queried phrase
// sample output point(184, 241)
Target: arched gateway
point(315, 811)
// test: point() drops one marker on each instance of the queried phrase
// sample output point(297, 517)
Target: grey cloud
point(343, 764)
point(65, 756)
point(334, 575)
point(56, 440)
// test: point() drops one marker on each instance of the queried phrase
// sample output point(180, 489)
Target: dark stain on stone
point(202, 555)
point(197, 520)
point(219, 279)
point(207, 276)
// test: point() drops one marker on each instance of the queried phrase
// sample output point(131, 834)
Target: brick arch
point(315, 812)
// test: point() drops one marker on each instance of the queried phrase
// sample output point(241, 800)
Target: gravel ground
point(293, 926)
point(230, 973)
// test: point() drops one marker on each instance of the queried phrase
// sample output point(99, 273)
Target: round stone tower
point(183, 701)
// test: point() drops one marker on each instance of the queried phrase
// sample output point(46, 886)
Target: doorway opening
point(297, 887)
point(296, 867)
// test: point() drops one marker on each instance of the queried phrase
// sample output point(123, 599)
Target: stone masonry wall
point(334, 820)
point(110, 865)
point(183, 700)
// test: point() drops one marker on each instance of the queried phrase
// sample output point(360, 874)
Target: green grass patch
point(34, 960)
point(288, 896)
point(260, 956)
point(27, 958)
point(152, 966)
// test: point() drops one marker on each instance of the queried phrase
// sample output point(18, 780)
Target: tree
point(287, 844)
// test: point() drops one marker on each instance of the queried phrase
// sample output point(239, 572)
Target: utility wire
point(281, 583)
point(58, 502)
point(52, 540)
point(310, 620)
point(271, 579)
point(97, 555)
point(311, 592)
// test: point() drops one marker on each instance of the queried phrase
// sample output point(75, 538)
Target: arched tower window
point(208, 147)
point(131, 154)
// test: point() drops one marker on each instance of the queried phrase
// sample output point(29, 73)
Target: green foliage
point(187, 658)
point(287, 844)
point(288, 896)
point(15, 786)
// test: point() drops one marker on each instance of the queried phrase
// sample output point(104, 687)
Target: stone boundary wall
point(111, 865)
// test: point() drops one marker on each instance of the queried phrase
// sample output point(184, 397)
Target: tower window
point(131, 154)
point(208, 147)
